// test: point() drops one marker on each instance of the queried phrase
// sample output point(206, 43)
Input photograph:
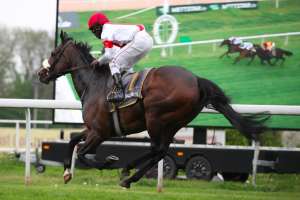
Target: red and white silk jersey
point(118, 35)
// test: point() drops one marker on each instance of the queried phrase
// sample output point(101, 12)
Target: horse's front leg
point(93, 140)
point(275, 61)
point(236, 60)
point(224, 54)
point(67, 162)
point(252, 58)
point(270, 62)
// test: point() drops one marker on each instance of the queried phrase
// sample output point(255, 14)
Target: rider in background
point(133, 41)
point(235, 40)
point(268, 46)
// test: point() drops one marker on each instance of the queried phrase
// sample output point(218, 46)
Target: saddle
point(272, 53)
point(132, 87)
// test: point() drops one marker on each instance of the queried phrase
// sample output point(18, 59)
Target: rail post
point(27, 165)
point(17, 136)
point(160, 176)
point(190, 49)
point(73, 160)
point(254, 163)
point(286, 40)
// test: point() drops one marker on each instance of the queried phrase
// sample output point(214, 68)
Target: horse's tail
point(213, 97)
point(287, 53)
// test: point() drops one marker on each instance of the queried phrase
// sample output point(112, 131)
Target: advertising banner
point(195, 8)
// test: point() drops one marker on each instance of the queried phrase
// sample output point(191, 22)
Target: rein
point(54, 76)
point(58, 74)
point(86, 84)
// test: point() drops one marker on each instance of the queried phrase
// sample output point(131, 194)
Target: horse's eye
point(52, 54)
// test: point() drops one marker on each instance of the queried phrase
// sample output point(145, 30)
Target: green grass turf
point(49, 185)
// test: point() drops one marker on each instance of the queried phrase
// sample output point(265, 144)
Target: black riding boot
point(117, 94)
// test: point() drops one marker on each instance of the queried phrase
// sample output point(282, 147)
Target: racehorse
point(171, 98)
point(244, 53)
point(265, 55)
point(232, 48)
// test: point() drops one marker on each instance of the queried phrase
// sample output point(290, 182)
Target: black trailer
point(200, 162)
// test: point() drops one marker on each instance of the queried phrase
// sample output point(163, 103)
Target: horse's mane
point(85, 49)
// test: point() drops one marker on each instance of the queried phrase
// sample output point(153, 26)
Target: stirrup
point(111, 97)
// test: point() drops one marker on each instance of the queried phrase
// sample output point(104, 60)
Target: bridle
point(55, 75)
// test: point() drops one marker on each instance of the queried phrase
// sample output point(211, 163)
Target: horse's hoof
point(124, 175)
point(123, 184)
point(111, 159)
point(67, 177)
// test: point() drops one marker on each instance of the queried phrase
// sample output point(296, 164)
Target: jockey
point(235, 40)
point(246, 45)
point(133, 41)
point(268, 46)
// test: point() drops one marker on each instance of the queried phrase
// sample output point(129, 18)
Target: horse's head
point(257, 48)
point(225, 41)
point(58, 61)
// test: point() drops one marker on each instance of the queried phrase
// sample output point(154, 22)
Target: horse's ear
point(66, 36)
point(61, 36)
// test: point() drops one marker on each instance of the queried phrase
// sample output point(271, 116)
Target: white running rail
point(218, 40)
point(76, 105)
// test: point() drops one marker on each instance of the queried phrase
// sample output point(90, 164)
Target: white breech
point(126, 57)
point(271, 47)
point(246, 45)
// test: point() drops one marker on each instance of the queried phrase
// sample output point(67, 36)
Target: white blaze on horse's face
point(46, 64)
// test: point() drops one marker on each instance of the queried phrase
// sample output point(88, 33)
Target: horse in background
point(233, 48)
point(171, 97)
point(265, 55)
point(229, 45)
point(244, 53)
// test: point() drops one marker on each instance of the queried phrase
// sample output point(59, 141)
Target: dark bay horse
point(229, 45)
point(265, 55)
point(171, 98)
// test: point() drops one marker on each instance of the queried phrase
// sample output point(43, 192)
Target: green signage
point(195, 8)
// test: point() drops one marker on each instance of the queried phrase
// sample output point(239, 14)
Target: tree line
point(22, 52)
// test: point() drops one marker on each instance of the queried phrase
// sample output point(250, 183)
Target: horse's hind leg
point(133, 163)
point(283, 59)
point(67, 162)
point(159, 148)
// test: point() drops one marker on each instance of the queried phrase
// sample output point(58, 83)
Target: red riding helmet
point(265, 44)
point(97, 19)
